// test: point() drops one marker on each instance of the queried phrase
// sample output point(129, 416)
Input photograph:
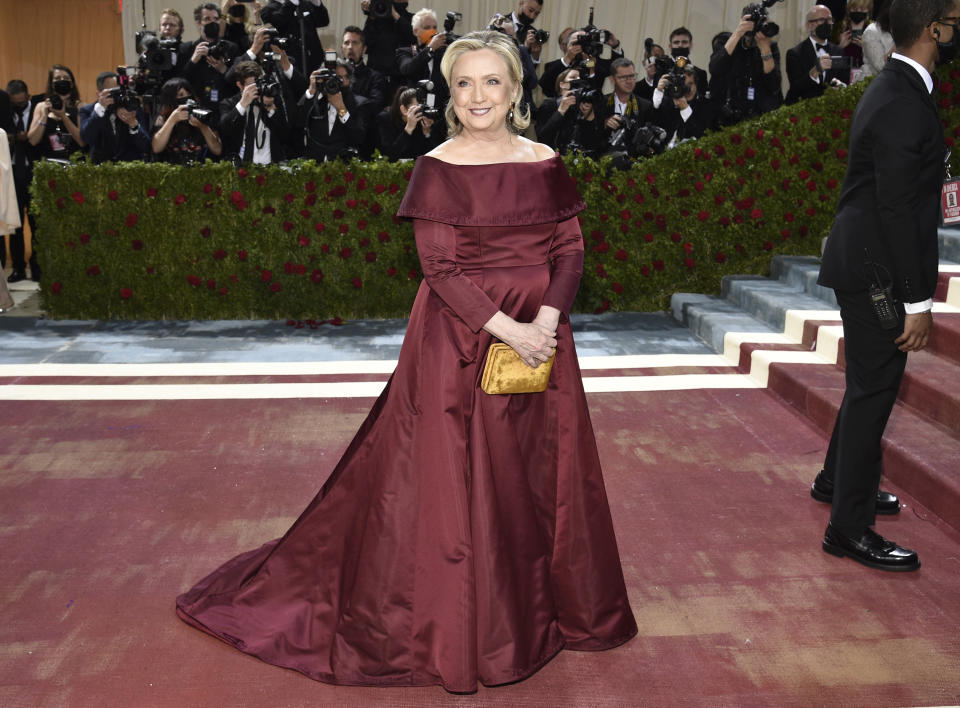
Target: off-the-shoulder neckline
point(493, 164)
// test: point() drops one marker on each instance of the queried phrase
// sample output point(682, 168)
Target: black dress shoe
point(822, 491)
point(16, 276)
point(871, 549)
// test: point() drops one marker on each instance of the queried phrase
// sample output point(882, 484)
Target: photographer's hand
point(439, 41)
point(531, 43)
point(260, 39)
point(365, 6)
point(823, 65)
point(573, 50)
point(746, 25)
point(681, 103)
point(219, 65)
point(845, 38)
point(105, 99)
point(612, 40)
point(249, 95)
point(201, 50)
point(127, 117)
point(285, 64)
point(566, 101)
point(413, 118)
point(613, 122)
point(180, 114)
point(336, 100)
point(663, 84)
point(314, 88)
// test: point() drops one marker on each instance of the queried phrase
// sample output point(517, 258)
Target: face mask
point(680, 52)
point(211, 30)
point(62, 86)
point(181, 101)
point(947, 51)
point(526, 19)
point(19, 108)
point(427, 35)
point(857, 17)
point(824, 30)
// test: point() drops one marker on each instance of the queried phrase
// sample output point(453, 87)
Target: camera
point(759, 14)
point(268, 57)
point(157, 54)
point(124, 98)
point(449, 22)
point(427, 100)
point(273, 38)
point(592, 40)
point(585, 92)
point(201, 114)
point(328, 81)
point(637, 139)
point(56, 102)
point(675, 71)
point(380, 9)
point(540, 36)
point(267, 86)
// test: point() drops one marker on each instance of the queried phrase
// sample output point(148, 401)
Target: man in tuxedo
point(367, 82)
point(622, 102)
point(884, 235)
point(383, 36)
point(113, 132)
point(687, 117)
point(205, 61)
point(289, 16)
point(329, 120)
point(252, 126)
point(573, 54)
point(809, 68)
point(523, 18)
point(22, 106)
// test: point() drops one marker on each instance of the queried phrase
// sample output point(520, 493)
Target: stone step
point(769, 300)
point(919, 454)
point(710, 318)
point(949, 244)
point(802, 272)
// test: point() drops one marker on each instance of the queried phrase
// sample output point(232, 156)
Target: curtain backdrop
point(630, 20)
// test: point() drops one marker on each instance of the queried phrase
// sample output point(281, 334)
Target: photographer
point(682, 111)
point(253, 127)
point(327, 115)
point(851, 35)
point(622, 103)
point(240, 20)
point(182, 131)
point(114, 131)
point(745, 71)
point(22, 108)
point(55, 131)
point(367, 82)
point(387, 28)
point(299, 21)
point(810, 68)
point(502, 24)
point(523, 18)
point(405, 132)
point(422, 61)
point(681, 44)
point(577, 50)
point(647, 80)
point(210, 57)
point(267, 49)
point(556, 118)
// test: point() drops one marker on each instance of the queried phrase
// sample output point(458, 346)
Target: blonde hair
point(517, 120)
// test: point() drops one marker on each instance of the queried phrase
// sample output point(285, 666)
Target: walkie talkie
point(881, 297)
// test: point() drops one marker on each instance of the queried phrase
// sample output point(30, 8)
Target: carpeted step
point(945, 340)
point(919, 455)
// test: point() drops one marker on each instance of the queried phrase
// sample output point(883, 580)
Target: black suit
point(110, 139)
point(286, 17)
point(553, 69)
point(800, 60)
point(887, 213)
point(22, 156)
point(233, 127)
point(415, 66)
point(321, 142)
point(383, 36)
point(209, 85)
point(700, 121)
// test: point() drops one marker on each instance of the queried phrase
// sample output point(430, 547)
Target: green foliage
point(311, 241)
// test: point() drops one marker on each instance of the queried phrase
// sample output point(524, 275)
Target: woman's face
point(565, 84)
point(61, 75)
point(182, 93)
point(481, 91)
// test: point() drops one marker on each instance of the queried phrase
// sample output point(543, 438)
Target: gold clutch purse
point(505, 372)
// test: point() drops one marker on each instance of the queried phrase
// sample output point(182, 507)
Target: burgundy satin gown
point(462, 537)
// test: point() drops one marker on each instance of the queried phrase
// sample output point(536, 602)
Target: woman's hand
point(413, 117)
point(534, 343)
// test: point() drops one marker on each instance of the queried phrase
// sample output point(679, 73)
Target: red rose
point(288, 198)
point(756, 214)
point(94, 270)
point(683, 193)
point(345, 252)
point(352, 203)
point(348, 176)
point(817, 119)
point(723, 221)
point(344, 228)
point(785, 184)
point(303, 241)
point(310, 199)
point(616, 287)
point(391, 271)
point(78, 197)
point(219, 254)
point(113, 195)
point(651, 178)
point(207, 188)
point(357, 283)
point(52, 184)
point(658, 265)
point(738, 218)
point(371, 257)
point(788, 216)
point(775, 163)
point(767, 246)
point(136, 244)
point(241, 173)
point(601, 271)
point(794, 159)
point(811, 185)
point(179, 199)
point(620, 255)
point(337, 191)
point(266, 276)
point(822, 146)
point(841, 154)
point(638, 198)
point(644, 271)
point(698, 186)
point(749, 153)
point(803, 231)
point(288, 268)
point(194, 281)
point(84, 238)
point(268, 210)
point(738, 247)
point(310, 187)
point(275, 287)
point(785, 234)
point(287, 226)
point(703, 215)
point(648, 238)
point(56, 288)
point(689, 263)
point(211, 284)
point(719, 199)
point(223, 292)
point(811, 211)
point(413, 275)
point(318, 227)
point(324, 248)
point(316, 276)
point(338, 214)
point(362, 224)
point(720, 257)
point(675, 237)
point(152, 192)
point(261, 180)
point(601, 247)
point(719, 150)
point(241, 255)
point(736, 138)
point(379, 188)
point(688, 247)
point(383, 236)
point(832, 183)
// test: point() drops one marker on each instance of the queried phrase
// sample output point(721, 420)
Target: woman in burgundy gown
point(463, 536)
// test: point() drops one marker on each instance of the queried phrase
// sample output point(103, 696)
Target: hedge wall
point(320, 242)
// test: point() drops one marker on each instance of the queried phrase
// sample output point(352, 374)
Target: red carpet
point(110, 509)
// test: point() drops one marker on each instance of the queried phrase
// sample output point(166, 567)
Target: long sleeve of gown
point(566, 253)
point(436, 244)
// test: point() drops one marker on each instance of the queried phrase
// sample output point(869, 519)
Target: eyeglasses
point(626, 76)
point(820, 20)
